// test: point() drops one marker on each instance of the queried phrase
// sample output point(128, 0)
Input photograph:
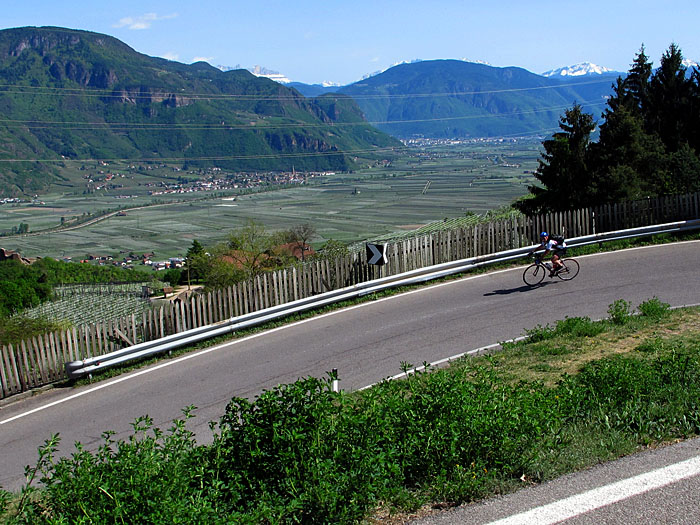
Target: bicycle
point(536, 272)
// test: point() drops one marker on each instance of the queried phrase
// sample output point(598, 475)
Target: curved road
point(366, 343)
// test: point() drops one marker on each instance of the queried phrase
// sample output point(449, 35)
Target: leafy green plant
point(539, 333)
point(5, 498)
point(654, 308)
point(651, 345)
point(619, 312)
point(579, 327)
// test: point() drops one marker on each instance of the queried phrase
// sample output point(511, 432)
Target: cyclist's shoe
point(552, 273)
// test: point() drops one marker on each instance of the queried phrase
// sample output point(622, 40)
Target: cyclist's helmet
point(543, 235)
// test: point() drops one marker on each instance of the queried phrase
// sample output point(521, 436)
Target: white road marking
point(602, 496)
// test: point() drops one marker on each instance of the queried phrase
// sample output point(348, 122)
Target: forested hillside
point(67, 95)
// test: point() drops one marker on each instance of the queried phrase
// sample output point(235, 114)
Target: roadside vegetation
point(566, 397)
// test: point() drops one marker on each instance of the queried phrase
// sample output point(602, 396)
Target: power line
point(126, 93)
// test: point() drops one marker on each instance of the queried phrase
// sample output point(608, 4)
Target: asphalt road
point(366, 343)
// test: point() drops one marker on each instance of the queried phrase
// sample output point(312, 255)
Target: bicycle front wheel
point(534, 274)
point(569, 270)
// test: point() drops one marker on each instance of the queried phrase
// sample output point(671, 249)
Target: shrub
point(539, 333)
point(619, 312)
point(654, 308)
point(579, 327)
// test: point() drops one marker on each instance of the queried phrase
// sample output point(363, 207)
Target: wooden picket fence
point(40, 360)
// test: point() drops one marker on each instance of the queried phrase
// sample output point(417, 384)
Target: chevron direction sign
point(376, 254)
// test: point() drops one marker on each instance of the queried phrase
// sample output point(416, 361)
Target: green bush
point(649, 399)
point(619, 312)
point(539, 333)
point(570, 326)
point(654, 308)
point(579, 327)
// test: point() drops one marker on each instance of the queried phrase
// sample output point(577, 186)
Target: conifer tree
point(637, 81)
point(563, 168)
point(669, 101)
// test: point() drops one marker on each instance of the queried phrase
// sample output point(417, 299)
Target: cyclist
point(554, 247)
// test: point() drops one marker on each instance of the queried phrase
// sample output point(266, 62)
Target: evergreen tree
point(637, 81)
point(195, 262)
point(563, 169)
point(669, 101)
point(694, 111)
point(628, 162)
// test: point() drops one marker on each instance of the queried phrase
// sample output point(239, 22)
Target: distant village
point(191, 181)
point(130, 260)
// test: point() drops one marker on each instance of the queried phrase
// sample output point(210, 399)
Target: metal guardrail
point(76, 369)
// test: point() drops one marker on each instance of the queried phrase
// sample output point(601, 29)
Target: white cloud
point(143, 21)
point(170, 56)
point(202, 59)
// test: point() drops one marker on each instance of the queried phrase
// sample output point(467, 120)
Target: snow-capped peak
point(577, 70)
point(260, 71)
point(690, 63)
point(482, 62)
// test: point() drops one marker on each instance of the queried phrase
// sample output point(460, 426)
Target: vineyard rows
point(84, 304)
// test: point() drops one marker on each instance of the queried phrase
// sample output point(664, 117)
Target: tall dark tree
point(637, 81)
point(195, 262)
point(670, 92)
point(632, 91)
point(694, 110)
point(563, 169)
point(627, 162)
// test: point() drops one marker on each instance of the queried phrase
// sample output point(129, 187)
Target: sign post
point(376, 255)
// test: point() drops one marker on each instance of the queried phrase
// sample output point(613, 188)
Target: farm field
point(428, 183)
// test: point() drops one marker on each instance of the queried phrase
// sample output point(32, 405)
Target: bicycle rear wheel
point(534, 274)
point(569, 270)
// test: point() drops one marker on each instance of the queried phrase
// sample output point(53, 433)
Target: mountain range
point(457, 98)
point(453, 98)
point(67, 94)
point(578, 70)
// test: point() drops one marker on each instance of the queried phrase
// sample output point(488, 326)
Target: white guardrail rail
point(76, 369)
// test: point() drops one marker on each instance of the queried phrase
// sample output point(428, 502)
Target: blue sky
point(339, 41)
